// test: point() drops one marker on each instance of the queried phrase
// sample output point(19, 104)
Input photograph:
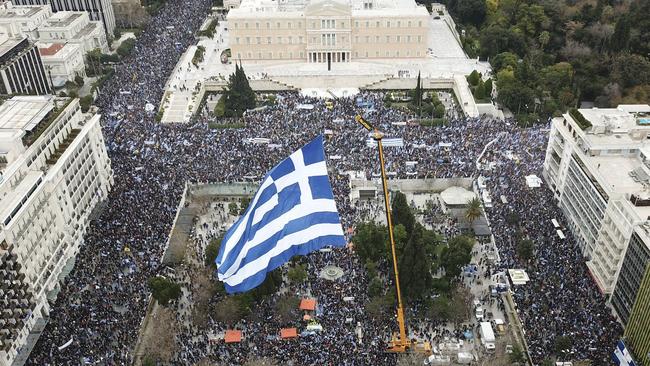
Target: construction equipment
point(399, 343)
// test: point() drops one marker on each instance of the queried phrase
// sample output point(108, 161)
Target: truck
point(487, 336)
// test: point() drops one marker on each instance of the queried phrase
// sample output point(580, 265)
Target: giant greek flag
point(292, 213)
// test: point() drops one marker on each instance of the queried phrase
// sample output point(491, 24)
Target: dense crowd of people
point(152, 162)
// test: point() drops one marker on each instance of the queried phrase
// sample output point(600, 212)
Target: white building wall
point(47, 231)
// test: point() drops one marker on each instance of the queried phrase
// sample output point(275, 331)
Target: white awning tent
point(533, 181)
point(518, 276)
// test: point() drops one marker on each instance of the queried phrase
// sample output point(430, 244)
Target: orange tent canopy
point(288, 333)
point(233, 336)
point(308, 304)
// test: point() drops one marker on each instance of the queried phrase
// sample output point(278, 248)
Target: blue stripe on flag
point(291, 227)
point(275, 262)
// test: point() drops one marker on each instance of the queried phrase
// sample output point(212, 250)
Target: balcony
point(63, 146)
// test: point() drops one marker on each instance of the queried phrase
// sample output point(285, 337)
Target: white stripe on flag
point(277, 225)
point(234, 238)
point(283, 244)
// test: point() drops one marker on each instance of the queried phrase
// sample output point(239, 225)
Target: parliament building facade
point(328, 31)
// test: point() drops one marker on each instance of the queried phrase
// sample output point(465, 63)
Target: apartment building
point(327, 31)
point(54, 170)
point(21, 68)
point(597, 166)
point(98, 10)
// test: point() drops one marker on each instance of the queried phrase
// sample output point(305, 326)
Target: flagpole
point(401, 344)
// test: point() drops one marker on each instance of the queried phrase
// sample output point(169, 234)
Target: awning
point(308, 304)
point(286, 333)
point(233, 336)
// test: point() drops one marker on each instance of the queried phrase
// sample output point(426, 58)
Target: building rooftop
point(626, 125)
point(24, 112)
point(62, 19)
point(21, 11)
point(297, 7)
point(8, 44)
point(49, 49)
point(57, 50)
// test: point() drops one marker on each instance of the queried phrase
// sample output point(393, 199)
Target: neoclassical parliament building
point(328, 31)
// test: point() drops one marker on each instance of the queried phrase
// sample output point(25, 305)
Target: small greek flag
point(292, 213)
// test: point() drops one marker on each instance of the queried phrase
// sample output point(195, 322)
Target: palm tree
point(473, 211)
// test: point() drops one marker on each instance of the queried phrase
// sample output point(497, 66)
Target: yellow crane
point(399, 342)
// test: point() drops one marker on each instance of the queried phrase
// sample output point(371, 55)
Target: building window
point(376, 39)
point(399, 24)
point(268, 40)
point(248, 40)
point(419, 39)
point(279, 40)
point(408, 39)
point(367, 24)
point(299, 24)
point(277, 25)
point(300, 40)
point(257, 25)
point(356, 39)
point(396, 53)
point(270, 55)
point(388, 24)
point(289, 25)
point(268, 25)
point(377, 24)
point(246, 25)
point(258, 40)
point(356, 24)
point(387, 39)
point(236, 25)
point(409, 24)
point(420, 24)
point(356, 54)
point(290, 54)
point(302, 55)
point(398, 39)
point(237, 40)
point(342, 24)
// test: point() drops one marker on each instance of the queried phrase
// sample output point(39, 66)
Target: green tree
point(473, 210)
point(456, 255)
point(488, 88)
point(93, 63)
point(525, 249)
point(79, 80)
point(233, 209)
point(415, 266)
point(85, 103)
point(125, 47)
point(517, 355)
point(401, 212)
point(562, 344)
point(479, 92)
point(504, 60)
point(297, 274)
point(473, 78)
point(239, 95)
point(371, 268)
point(375, 287)
point(620, 40)
point(244, 202)
point(212, 251)
point(229, 310)
point(370, 241)
point(631, 70)
point(287, 308)
point(164, 290)
point(470, 11)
